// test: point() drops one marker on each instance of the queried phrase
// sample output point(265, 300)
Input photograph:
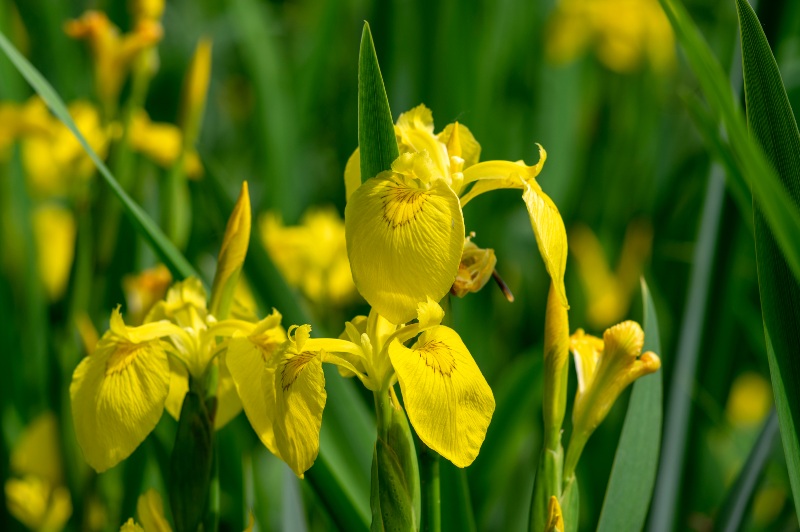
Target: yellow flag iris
point(405, 227)
point(282, 385)
point(605, 367)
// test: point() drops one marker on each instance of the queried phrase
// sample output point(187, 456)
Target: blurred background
point(599, 84)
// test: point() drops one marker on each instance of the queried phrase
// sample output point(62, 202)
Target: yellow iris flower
point(112, 52)
point(282, 385)
point(120, 391)
point(625, 34)
point(163, 143)
point(36, 496)
point(144, 290)
point(605, 367)
point(405, 227)
point(312, 255)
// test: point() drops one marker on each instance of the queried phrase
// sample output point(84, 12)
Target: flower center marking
point(438, 356)
point(123, 356)
point(401, 205)
point(293, 367)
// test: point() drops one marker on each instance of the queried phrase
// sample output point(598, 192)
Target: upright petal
point(470, 148)
point(118, 393)
point(447, 399)
point(404, 243)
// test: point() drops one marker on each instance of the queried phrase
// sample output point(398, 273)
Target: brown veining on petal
point(402, 204)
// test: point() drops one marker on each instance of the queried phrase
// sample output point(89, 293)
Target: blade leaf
point(376, 139)
point(771, 122)
point(633, 475)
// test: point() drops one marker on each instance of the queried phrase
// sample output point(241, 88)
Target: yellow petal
point(178, 386)
point(429, 314)
point(34, 503)
point(54, 231)
point(470, 149)
point(551, 236)
point(447, 399)
point(150, 509)
point(404, 243)
point(247, 361)
point(38, 450)
point(298, 385)
point(555, 519)
point(586, 350)
point(131, 526)
point(352, 174)
point(494, 175)
point(475, 269)
point(118, 393)
point(414, 131)
point(228, 403)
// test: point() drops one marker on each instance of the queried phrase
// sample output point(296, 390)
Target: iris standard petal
point(404, 243)
point(447, 398)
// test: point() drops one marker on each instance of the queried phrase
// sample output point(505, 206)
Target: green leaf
point(729, 518)
point(376, 140)
point(168, 253)
point(780, 212)
point(570, 505)
point(772, 123)
point(633, 474)
point(190, 465)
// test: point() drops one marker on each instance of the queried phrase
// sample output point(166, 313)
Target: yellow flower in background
point(112, 52)
point(195, 92)
point(282, 385)
point(625, 34)
point(54, 232)
point(405, 227)
point(609, 293)
point(144, 290)
point(55, 162)
point(148, 9)
point(162, 143)
point(605, 367)
point(311, 256)
point(36, 496)
point(749, 400)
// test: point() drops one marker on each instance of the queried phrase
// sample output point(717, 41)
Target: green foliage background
point(282, 114)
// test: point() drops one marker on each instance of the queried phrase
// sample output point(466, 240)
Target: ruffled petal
point(118, 395)
point(404, 243)
point(447, 398)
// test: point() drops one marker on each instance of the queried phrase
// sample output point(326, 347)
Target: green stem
point(430, 488)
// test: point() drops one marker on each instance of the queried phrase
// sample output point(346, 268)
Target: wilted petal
point(447, 398)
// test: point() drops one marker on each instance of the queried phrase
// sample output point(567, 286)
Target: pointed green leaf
point(633, 474)
point(168, 253)
point(729, 518)
point(772, 123)
point(376, 139)
point(780, 212)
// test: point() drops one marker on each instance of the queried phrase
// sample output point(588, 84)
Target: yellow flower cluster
point(405, 227)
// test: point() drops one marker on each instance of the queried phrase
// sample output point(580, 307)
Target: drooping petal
point(551, 236)
point(247, 364)
point(447, 398)
point(404, 243)
point(37, 452)
point(118, 393)
point(494, 175)
point(228, 403)
point(298, 384)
